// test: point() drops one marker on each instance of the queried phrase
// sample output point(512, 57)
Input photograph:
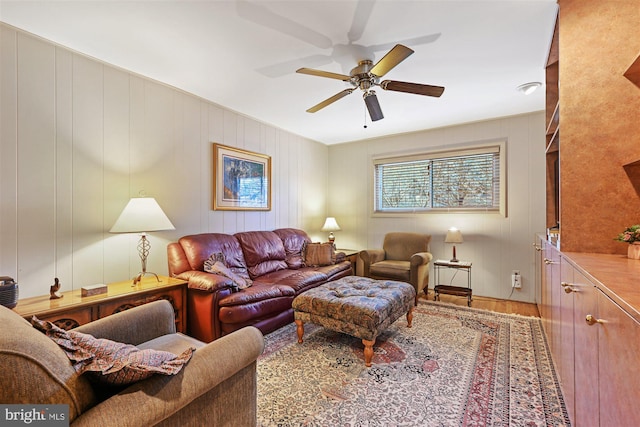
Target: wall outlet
point(516, 279)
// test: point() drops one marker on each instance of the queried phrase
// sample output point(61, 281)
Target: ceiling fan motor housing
point(360, 76)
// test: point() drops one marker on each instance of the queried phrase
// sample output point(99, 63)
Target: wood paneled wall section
point(600, 122)
point(80, 137)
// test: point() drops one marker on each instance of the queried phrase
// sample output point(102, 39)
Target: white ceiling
point(243, 54)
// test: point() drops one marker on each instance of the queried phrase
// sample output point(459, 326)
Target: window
point(470, 180)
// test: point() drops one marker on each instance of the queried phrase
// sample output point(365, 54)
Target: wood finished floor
point(492, 304)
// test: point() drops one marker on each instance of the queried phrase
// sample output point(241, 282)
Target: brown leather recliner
point(404, 257)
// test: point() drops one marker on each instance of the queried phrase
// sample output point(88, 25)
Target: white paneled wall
point(495, 244)
point(79, 138)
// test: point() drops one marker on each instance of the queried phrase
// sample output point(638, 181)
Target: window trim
point(484, 147)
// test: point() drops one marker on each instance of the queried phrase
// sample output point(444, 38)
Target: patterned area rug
point(456, 366)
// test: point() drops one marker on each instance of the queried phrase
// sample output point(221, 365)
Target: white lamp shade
point(330, 224)
point(453, 236)
point(142, 214)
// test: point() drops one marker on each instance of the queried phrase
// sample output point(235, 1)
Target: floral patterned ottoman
point(357, 306)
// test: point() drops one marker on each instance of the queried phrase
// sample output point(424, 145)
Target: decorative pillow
point(223, 270)
point(215, 257)
point(111, 362)
point(319, 254)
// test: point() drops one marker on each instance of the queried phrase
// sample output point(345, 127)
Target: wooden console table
point(74, 310)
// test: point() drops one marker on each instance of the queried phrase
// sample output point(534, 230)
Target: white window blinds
point(460, 180)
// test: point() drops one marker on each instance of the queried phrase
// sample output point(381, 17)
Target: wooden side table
point(74, 310)
point(351, 255)
point(449, 289)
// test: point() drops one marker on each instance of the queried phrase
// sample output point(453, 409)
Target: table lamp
point(454, 236)
point(141, 215)
point(331, 225)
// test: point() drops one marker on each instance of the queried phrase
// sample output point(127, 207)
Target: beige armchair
point(404, 257)
point(217, 387)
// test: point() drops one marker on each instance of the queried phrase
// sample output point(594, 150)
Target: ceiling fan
point(367, 75)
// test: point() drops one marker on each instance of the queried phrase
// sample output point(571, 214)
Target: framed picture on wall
point(241, 179)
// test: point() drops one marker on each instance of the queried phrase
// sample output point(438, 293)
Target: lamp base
point(143, 250)
point(140, 275)
point(454, 259)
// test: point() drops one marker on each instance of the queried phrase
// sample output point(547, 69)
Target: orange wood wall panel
point(600, 122)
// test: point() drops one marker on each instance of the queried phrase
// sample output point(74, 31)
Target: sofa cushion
point(199, 247)
point(396, 270)
point(263, 252)
point(318, 254)
point(112, 362)
point(257, 292)
point(299, 280)
point(221, 269)
point(293, 241)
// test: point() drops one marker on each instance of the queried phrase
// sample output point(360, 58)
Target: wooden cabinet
point(564, 292)
point(74, 310)
point(586, 395)
point(593, 332)
point(548, 304)
point(618, 370)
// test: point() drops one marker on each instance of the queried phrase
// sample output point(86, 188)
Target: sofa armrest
point(157, 317)
point(153, 400)
point(370, 256)
point(206, 281)
point(421, 258)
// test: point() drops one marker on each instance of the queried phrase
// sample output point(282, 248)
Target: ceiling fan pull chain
point(365, 116)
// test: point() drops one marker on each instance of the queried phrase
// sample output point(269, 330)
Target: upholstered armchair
point(404, 257)
point(218, 386)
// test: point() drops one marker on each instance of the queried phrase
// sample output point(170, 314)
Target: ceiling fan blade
point(417, 88)
point(395, 56)
point(283, 68)
point(408, 42)
point(321, 73)
point(262, 16)
point(360, 19)
point(331, 100)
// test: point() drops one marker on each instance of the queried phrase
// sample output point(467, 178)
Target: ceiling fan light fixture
point(371, 100)
point(529, 88)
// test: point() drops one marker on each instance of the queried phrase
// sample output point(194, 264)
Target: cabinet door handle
point(538, 248)
point(565, 284)
point(548, 261)
point(592, 320)
point(569, 289)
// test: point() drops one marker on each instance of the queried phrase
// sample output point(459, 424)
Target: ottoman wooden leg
point(409, 317)
point(300, 330)
point(368, 352)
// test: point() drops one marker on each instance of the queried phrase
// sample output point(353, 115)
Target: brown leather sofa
point(273, 260)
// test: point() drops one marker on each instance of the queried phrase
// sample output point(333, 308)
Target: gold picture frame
point(241, 179)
